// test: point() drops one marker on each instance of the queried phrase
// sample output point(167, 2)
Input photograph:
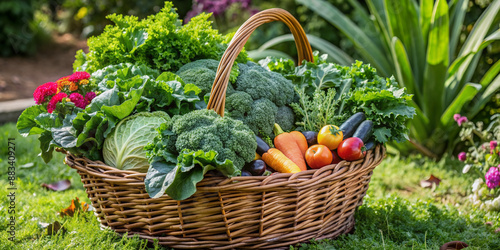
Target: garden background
point(39, 39)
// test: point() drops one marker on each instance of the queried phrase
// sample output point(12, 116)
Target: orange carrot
point(301, 141)
point(293, 145)
point(279, 162)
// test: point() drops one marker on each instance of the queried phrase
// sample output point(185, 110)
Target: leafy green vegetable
point(199, 137)
point(357, 88)
point(125, 89)
point(159, 41)
point(316, 111)
point(123, 148)
point(178, 177)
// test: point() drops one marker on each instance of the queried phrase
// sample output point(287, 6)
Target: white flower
point(477, 184)
point(466, 168)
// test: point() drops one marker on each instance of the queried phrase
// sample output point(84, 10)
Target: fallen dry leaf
point(52, 228)
point(453, 245)
point(429, 182)
point(75, 206)
point(58, 186)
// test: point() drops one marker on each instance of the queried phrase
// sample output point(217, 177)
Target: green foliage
point(17, 34)
point(124, 89)
point(190, 145)
point(88, 17)
point(357, 89)
point(159, 41)
point(418, 44)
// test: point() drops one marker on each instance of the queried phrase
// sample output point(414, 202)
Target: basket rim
point(372, 159)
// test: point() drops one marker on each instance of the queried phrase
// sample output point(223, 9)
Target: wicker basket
point(241, 212)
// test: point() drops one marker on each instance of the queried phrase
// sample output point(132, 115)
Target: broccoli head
point(202, 74)
point(285, 118)
point(254, 97)
point(206, 130)
point(260, 83)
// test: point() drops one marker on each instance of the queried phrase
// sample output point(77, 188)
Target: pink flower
point(461, 120)
point(456, 117)
point(78, 100)
point(79, 75)
point(89, 97)
point(462, 156)
point(55, 99)
point(493, 145)
point(493, 177)
point(44, 92)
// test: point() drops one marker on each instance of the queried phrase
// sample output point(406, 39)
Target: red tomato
point(318, 156)
point(351, 149)
point(336, 159)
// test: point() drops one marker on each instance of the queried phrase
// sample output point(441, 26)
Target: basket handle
point(217, 99)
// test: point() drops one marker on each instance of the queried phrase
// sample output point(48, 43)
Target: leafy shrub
point(159, 41)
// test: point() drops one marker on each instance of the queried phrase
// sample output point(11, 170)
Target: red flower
point(55, 99)
point(78, 100)
point(43, 91)
point(79, 75)
point(89, 96)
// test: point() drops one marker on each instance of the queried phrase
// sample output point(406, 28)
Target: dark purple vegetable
point(245, 173)
point(370, 144)
point(364, 131)
point(311, 137)
point(256, 168)
point(262, 146)
point(350, 125)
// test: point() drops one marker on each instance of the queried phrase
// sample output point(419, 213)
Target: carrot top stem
point(277, 129)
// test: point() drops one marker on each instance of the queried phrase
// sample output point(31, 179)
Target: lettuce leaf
point(178, 177)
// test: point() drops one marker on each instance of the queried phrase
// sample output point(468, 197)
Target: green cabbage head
point(123, 148)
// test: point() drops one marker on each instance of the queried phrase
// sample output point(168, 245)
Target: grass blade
point(403, 21)
point(473, 43)
point(485, 96)
point(468, 92)
point(363, 43)
point(403, 68)
point(457, 16)
point(426, 7)
point(437, 64)
point(490, 75)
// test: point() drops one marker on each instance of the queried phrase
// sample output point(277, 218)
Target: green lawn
point(397, 213)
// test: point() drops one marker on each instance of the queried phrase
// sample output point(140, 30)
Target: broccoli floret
point(202, 74)
point(238, 104)
point(261, 117)
point(260, 83)
point(206, 130)
point(285, 118)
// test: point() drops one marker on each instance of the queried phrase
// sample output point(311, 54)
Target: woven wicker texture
point(256, 211)
point(241, 212)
